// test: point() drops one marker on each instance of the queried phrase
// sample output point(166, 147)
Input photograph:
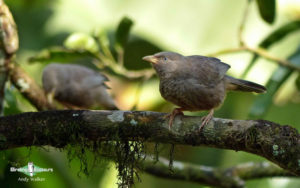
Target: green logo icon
point(31, 169)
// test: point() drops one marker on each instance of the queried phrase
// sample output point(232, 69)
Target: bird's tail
point(233, 84)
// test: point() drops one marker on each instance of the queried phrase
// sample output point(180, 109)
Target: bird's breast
point(192, 95)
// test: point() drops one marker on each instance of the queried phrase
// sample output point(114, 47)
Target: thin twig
point(260, 52)
point(243, 22)
point(106, 59)
point(102, 62)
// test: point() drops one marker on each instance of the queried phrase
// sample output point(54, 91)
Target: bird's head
point(165, 63)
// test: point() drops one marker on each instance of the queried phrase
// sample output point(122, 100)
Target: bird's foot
point(175, 112)
point(206, 119)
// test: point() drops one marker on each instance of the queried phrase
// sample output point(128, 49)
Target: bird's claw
point(206, 119)
point(175, 112)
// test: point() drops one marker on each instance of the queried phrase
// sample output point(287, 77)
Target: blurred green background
point(188, 27)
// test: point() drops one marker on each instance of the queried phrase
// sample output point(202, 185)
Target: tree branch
point(28, 87)
point(260, 52)
point(230, 177)
point(9, 44)
point(4, 61)
point(279, 144)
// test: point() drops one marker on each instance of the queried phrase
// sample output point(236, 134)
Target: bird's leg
point(172, 115)
point(50, 96)
point(206, 119)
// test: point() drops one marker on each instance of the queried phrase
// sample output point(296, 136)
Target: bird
point(195, 83)
point(76, 86)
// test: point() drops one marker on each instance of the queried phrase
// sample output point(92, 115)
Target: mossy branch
point(217, 177)
point(9, 44)
point(277, 143)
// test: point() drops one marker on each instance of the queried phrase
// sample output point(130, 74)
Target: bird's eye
point(164, 58)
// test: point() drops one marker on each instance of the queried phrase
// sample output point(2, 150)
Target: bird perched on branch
point(76, 86)
point(196, 83)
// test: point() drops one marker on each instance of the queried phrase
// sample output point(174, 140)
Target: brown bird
point(196, 83)
point(76, 86)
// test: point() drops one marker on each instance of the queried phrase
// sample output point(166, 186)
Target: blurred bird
point(196, 82)
point(76, 86)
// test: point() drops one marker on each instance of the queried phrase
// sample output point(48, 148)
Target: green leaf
point(281, 74)
point(273, 38)
point(135, 50)
point(62, 55)
point(59, 54)
point(123, 31)
point(280, 33)
point(81, 42)
point(267, 10)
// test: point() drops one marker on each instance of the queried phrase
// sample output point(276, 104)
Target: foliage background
point(187, 27)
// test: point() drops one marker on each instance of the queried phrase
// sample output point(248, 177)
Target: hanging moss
point(126, 154)
point(156, 156)
point(171, 158)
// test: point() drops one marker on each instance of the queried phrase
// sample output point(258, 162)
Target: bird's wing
point(93, 81)
point(209, 70)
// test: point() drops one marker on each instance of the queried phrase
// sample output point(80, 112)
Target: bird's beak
point(151, 59)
